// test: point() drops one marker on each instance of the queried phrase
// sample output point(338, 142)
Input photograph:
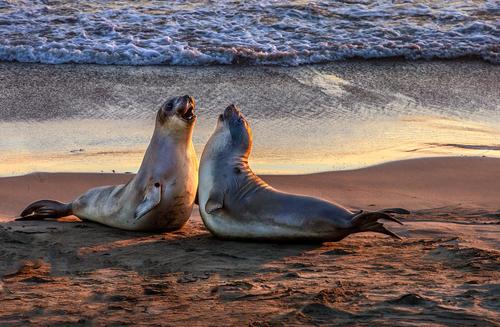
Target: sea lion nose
point(231, 109)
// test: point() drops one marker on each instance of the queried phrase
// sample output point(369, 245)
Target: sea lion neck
point(231, 162)
point(179, 134)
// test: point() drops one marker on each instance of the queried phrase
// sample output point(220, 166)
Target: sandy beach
point(72, 126)
point(444, 272)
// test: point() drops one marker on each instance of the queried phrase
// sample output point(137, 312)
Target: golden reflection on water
point(292, 147)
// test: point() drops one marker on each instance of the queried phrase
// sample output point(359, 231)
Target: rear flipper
point(399, 211)
point(43, 209)
point(368, 222)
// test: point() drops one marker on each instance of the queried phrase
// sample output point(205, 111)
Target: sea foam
point(250, 32)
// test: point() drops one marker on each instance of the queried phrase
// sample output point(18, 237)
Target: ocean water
point(245, 32)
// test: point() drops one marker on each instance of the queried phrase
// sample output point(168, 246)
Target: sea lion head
point(232, 135)
point(177, 114)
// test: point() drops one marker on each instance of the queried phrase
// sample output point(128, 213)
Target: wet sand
point(344, 115)
point(445, 272)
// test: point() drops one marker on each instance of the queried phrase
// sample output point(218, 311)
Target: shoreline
point(397, 59)
point(343, 115)
point(129, 173)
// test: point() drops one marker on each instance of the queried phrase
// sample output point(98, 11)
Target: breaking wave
point(250, 32)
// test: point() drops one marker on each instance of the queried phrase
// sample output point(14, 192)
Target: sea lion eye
point(237, 170)
point(169, 106)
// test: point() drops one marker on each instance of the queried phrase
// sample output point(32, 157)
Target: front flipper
point(215, 201)
point(152, 198)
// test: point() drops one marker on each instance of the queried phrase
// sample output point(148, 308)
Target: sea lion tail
point(368, 222)
point(42, 209)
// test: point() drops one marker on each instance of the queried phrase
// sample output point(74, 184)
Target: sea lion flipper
point(42, 209)
point(399, 211)
point(215, 201)
point(151, 199)
point(368, 222)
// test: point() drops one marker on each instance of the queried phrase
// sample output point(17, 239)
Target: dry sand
point(444, 273)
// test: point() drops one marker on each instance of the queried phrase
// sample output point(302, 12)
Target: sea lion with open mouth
point(236, 204)
point(162, 193)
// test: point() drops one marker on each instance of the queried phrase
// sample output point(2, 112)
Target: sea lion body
point(237, 204)
point(159, 197)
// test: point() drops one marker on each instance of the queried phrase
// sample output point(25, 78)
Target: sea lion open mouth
point(186, 110)
point(189, 114)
